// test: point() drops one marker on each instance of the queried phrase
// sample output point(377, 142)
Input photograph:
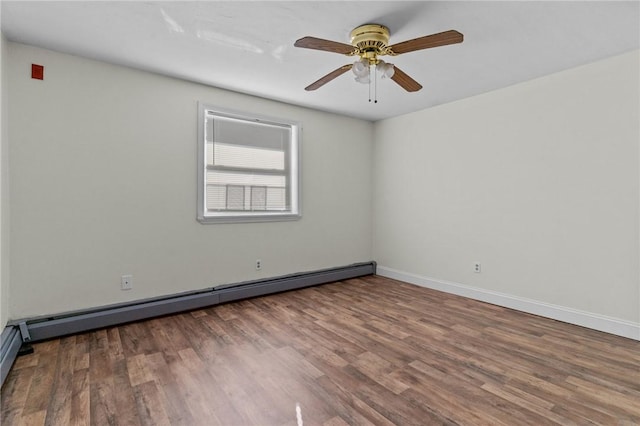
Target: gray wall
point(539, 182)
point(4, 187)
point(103, 183)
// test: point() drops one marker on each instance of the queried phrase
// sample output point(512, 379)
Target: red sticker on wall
point(37, 71)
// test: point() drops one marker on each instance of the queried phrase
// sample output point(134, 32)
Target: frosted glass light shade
point(360, 68)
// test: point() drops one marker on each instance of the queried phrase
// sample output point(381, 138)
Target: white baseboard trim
point(591, 320)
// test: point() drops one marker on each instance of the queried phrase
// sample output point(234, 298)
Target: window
point(248, 167)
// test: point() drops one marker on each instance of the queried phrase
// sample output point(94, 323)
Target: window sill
point(206, 220)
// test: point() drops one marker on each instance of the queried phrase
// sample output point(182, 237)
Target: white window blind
point(250, 169)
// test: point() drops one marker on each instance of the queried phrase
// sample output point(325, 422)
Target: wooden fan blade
point(426, 42)
point(406, 82)
point(327, 78)
point(326, 45)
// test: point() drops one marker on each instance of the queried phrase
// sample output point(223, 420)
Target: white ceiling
point(248, 46)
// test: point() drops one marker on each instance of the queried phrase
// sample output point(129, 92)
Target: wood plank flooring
point(363, 351)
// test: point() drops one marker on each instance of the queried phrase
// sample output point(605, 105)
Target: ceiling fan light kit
point(360, 68)
point(369, 42)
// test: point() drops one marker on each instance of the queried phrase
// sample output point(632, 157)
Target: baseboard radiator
point(52, 326)
point(10, 342)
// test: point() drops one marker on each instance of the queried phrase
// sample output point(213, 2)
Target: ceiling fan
point(369, 42)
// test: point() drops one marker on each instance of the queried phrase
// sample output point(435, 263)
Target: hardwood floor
point(363, 351)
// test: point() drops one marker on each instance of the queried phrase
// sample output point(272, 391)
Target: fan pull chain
point(375, 84)
point(369, 83)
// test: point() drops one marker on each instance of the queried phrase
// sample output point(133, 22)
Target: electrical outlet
point(258, 264)
point(126, 282)
point(477, 268)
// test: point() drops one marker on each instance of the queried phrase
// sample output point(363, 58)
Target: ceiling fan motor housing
point(371, 40)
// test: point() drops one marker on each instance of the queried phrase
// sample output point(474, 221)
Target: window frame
point(292, 170)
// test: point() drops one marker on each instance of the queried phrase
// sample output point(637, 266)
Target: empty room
point(320, 213)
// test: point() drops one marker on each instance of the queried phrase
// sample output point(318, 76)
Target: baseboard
point(561, 313)
point(10, 342)
point(52, 326)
